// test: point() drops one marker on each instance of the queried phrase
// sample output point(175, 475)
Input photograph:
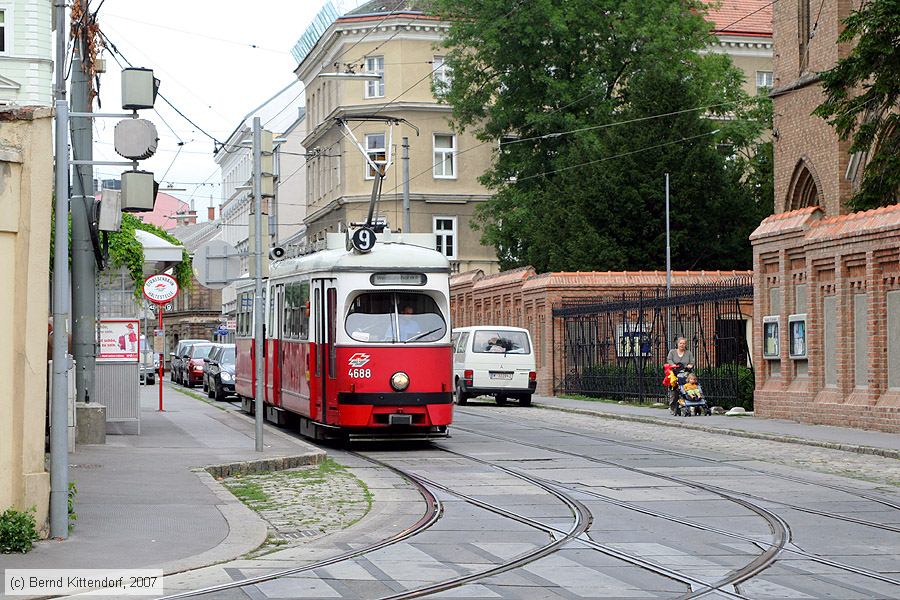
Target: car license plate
point(499, 375)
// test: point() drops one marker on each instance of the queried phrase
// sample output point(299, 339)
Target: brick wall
point(804, 143)
point(848, 262)
point(523, 298)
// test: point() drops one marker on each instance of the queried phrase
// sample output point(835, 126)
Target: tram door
point(325, 302)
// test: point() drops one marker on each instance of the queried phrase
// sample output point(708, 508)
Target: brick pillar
point(844, 325)
point(814, 332)
point(876, 327)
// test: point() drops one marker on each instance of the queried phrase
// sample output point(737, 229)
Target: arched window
point(804, 190)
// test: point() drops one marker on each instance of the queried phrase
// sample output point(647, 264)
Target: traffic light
point(267, 178)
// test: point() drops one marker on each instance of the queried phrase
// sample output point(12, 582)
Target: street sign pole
point(159, 310)
point(160, 290)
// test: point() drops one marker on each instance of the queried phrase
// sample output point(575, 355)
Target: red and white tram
point(356, 345)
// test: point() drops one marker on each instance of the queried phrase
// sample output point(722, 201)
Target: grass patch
point(197, 396)
point(248, 492)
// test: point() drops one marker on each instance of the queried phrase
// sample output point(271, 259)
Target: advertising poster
point(119, 340)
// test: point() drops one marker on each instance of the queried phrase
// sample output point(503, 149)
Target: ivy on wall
point(126, 251)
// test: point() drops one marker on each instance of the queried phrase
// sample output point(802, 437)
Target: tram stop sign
point(216, 264)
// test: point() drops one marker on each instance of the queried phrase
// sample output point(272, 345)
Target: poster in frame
point(797, 333)
point(771, 331)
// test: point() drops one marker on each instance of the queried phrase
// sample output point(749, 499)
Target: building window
point(2, 30)
point(443, 76)
point(445, 236)
point(764, 79)
point(375, 150)
point(375, 89)
point(444, 156)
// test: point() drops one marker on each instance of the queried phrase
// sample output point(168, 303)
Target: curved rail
point(776, 523)
point(433, 512)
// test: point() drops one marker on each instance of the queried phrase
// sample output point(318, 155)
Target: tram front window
point(395, 317)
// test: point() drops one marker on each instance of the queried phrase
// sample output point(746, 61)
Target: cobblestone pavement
point(303, 503)
point(876, 469)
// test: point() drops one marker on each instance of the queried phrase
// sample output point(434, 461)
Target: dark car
point(192, 363)
point(175, 358)
point(220, 372)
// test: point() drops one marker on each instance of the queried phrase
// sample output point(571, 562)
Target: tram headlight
point(399, 381)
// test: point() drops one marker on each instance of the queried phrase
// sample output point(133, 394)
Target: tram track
point(775, 521)
point(612, 441)
point(761, 562)
point(434, 510)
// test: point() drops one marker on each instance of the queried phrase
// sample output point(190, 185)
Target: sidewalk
point(140, 503)
point(840, 438)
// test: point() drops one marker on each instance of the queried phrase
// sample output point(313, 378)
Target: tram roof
point(392, 254)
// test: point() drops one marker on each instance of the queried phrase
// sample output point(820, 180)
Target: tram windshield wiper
point(421, 335)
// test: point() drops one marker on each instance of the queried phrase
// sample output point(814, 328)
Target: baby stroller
point(681, 403)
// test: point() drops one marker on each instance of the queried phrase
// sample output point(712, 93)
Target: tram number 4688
point(360, 373)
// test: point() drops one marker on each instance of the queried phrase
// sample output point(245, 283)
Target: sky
point(217, 60)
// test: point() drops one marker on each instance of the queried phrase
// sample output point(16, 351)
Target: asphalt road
point(533, 503)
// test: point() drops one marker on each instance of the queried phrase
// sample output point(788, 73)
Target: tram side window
point(296, 320)
point(245, 310)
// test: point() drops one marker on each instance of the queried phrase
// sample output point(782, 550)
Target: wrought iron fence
point(615, 346)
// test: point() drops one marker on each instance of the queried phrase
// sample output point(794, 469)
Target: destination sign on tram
point(399, 279)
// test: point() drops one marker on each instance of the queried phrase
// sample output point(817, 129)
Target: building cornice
point(353, 30)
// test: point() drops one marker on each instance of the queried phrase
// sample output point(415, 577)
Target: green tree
point(862, 99)
point(603, 71)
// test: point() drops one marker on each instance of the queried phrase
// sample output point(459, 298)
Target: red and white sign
point(159, 289)
point(119, 340)
point(359, 359)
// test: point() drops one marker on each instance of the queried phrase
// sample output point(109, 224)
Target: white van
point(493, 361)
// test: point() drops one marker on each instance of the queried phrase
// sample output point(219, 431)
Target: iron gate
point(615, 346)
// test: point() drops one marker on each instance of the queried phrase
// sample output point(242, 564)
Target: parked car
point(493, 361)
point(192, 363)
point(219, 372)
point(149, 363)
point(176, 357)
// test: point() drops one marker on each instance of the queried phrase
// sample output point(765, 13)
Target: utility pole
point(258, 305)
point(405, 157)
point(668, 267)
point(84, 268)
point(59, 414)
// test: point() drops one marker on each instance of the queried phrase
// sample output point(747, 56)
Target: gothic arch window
point(804, 188)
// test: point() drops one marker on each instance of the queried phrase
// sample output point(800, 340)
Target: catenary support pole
point(406, 219)
point(84, 268)
point(668, 268)
point(258, 305)
point(59, 413)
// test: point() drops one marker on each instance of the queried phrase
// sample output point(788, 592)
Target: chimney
point(211, 213)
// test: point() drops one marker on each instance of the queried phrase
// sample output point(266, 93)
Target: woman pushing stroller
point(685, 394)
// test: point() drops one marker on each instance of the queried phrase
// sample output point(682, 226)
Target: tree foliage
point(582, 85)
point(862, 99)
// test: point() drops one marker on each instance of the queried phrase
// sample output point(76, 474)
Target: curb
point(772, 437)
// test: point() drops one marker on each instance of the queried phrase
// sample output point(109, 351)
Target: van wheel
point(501, 400)
point(210, 392)
point(525, 400)
point(461, 397)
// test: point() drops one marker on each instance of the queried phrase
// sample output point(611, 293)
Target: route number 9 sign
point(363, 239)
point(159, 289)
